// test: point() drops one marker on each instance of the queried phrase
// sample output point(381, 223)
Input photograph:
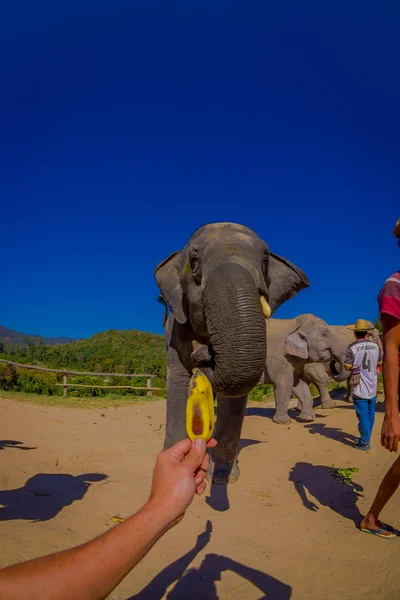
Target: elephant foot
point(222, 473)
point(281, 419)
point(307, 416)
point(329, 404)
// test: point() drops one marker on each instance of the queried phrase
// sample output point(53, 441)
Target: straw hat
point(396, 229)
point(360, 325)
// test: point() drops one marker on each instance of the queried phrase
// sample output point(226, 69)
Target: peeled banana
point(200, 407)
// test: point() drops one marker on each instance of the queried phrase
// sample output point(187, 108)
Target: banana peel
point(200, 413)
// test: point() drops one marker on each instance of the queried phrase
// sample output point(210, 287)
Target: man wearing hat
point(362, 359)
point(389, 309)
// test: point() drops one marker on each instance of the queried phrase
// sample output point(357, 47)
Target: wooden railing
point(66, 385)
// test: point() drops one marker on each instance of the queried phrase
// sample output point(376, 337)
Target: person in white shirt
point(363, 359)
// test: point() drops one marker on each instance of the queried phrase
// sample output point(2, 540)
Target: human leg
point(371, 414)
point(361, 408)
point(389, 485)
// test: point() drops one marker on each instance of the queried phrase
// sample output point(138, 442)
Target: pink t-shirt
point(389, 297)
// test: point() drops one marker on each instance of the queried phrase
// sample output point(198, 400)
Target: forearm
point(91, 571)
point(391, 379)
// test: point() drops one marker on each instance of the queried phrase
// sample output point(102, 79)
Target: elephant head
point(314, 341)
point(221, 287)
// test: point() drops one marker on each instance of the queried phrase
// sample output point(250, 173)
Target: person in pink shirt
point(389, 309)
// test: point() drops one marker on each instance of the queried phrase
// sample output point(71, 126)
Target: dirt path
point(285, 530)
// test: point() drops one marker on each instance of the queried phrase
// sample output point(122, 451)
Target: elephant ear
point(167, 276)
point(296, 345)
point(285, 280)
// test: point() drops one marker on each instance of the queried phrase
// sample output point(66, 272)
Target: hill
point(111, 351)
point(18, 338)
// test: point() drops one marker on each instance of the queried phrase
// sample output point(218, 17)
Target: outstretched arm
point(93, 570)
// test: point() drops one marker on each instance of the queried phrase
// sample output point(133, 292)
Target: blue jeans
point(365, 409)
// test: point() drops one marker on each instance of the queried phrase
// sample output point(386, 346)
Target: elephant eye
point(194, 258)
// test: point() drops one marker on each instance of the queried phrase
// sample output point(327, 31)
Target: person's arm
point(391, 425)
point(92, 571)
point(349, 360)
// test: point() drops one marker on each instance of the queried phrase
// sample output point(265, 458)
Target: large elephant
point(321, 374)
point(219, 289)
point(292, 344)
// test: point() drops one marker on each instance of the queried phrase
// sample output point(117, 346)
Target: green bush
point(257, 394)
point(8, 377)
point(32, 382)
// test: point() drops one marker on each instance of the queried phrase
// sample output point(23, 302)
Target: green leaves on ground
point(344, 474)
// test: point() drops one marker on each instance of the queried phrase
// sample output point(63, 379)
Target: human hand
point(390, 435)
point(178, 475)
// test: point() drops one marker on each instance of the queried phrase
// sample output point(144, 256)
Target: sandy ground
point(284, 530)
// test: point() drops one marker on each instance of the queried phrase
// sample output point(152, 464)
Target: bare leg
point(230, 414)
point(389, 485)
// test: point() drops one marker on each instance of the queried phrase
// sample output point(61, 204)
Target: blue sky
point(125, 125)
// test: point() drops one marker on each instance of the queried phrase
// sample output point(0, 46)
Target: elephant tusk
point(265, 307)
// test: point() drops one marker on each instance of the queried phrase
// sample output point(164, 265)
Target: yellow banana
point(200, 407)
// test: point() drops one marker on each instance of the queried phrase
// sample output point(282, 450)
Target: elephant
point(321, 374)
point(293, 344)
point(219, 290)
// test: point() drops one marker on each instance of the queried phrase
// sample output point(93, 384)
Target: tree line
point(107, 352)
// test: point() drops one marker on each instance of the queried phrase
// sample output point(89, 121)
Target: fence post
point(149, 392)
point(65, 381)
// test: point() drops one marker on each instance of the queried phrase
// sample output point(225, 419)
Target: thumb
point(195, 457)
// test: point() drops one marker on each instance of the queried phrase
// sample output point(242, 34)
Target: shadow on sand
point(333, 433)
point(328, 490)
point(199, 583)
point(218, 498)
point(44, 496)
point(14, 444)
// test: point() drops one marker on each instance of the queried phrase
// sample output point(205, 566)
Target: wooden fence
point(66, 385)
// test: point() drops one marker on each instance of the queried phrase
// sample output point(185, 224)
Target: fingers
point(195, 457)
point(211, 443)
point(179, 450)
point(390, 443)
point(205, 464)
point(200, 489)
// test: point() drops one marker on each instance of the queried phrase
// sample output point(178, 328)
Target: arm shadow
point(15, 445)
point(45, 495)
point(199, 583)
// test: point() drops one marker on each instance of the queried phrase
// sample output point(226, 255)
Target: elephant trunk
point(236, 325)
point(336, 370)
point(335, 367)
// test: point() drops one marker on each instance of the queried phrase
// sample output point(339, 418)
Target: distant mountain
point(16, 337)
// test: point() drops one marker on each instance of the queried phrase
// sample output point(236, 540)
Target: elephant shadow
point(218, 498)
point(15, 445)
point(44, 495)
point(198, 583)
point(333, 433)
point(317, 481)
point(259, 411)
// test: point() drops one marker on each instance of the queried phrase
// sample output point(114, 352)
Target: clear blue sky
point(125, 125)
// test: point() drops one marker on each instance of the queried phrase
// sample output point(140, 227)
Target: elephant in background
point(219, 289)
point(292, 344)
point(321, 374)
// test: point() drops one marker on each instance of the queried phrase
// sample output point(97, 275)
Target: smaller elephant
point(291, 345)
point(321, 374)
